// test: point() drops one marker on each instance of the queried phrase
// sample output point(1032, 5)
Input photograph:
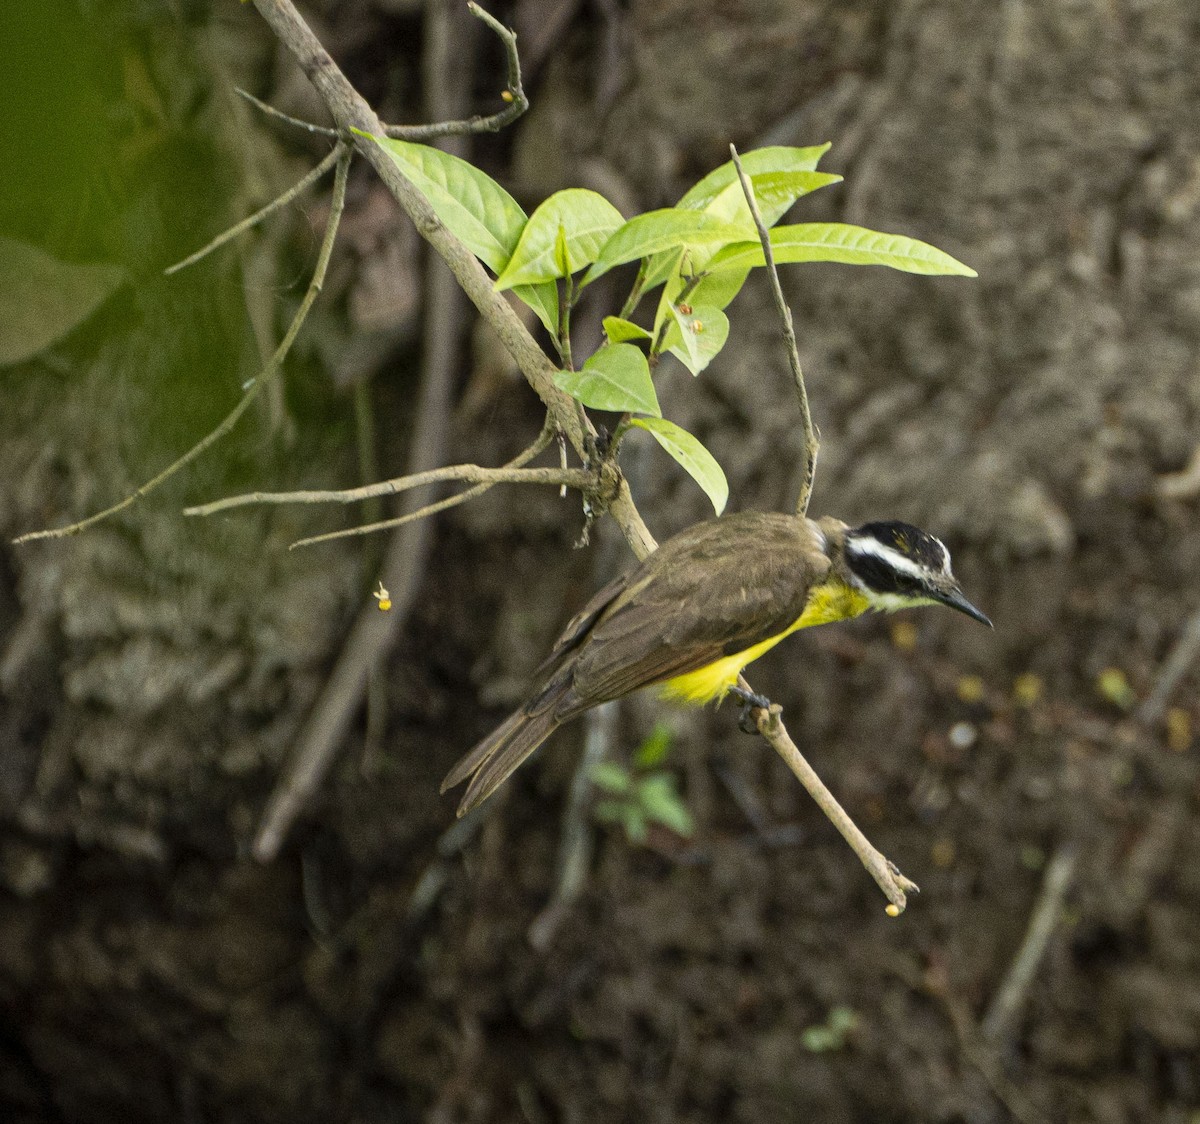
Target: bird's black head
point(897, 565)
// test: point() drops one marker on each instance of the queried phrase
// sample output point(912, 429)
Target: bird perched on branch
point(709, 601)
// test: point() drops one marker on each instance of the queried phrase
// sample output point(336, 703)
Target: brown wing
point(715, 589)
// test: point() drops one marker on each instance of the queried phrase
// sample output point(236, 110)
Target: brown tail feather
point(493, 760)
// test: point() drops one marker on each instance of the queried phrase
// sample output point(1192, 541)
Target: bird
point(710, 600)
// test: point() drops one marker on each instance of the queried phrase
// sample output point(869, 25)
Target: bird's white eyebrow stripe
point(893, 558)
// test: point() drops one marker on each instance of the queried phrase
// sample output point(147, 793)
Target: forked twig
point(812, 439)
point(579, 478)
point(254, 219)
point(518, 103)
point(511, 473)
point(265, 376)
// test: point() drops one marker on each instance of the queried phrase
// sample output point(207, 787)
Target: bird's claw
point(751, 701)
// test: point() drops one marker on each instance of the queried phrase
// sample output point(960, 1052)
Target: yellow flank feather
point(833, 601)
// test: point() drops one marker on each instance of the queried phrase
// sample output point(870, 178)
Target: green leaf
point(612, 778)
point(658, 231)
point(45, 298)
point(616, 377)
point(702, 332)
point(473, 205)
point(774, 192)
point(718, 289)
point(840, 242)
point(653, 751)
point(543, 299)
point(695, 459)
point(587, 220)
point(661, 803)
point(619, 331)
point(755, 162)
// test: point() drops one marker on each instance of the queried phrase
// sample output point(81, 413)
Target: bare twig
point(467, 473)
point(431, 508)
point(1001, 1017)
point(254, 219)
point(271, 111)
point(575, 838)
point(518, 102)
point(373, 633)
point(265, 376)
point(894, 885)
point(812, 439)
point(1174, 667)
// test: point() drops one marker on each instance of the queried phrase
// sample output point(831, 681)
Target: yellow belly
point(827, 603)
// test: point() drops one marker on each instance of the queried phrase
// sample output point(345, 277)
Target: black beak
point(954, 598)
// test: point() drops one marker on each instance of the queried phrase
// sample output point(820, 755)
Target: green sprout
point(832, 1034)
point(641, 795)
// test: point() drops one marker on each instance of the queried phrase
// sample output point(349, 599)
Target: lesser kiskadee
point(705, 604)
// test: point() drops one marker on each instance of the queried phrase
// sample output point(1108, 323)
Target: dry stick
point(1186, 649)
point(575, 839)
point(554, 476)
point(492, 123)
point(350, 111)
point(812, 439)
point(890, 880)
point(325, 729)
point(254, 219)
point(998, 1023)
point(268, 373)
point(510, 473)
point(373, 632)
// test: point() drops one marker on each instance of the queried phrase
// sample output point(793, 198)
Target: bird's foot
point(751, 701)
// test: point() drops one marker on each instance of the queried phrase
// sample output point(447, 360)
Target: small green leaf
point(612, 778)
point(718, 289)
point(620, 331)
point(587, 220)
point(840, 242)
point(774, 192)
point(473, 205)
point(756, 162)
point(658, 231)
point(703, 333)
point(616, 377)
point(562, 256)
point(696, 460)
point(634, 823)
point(661, 802)
point(653, 751)
point(45, 298)
point(543, 299)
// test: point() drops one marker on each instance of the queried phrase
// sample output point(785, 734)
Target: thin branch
point(518, 102)
point(468, 473)
point(894, 885)
point(1001, 1017)
point(1186, 649)
point(254, 219)
point(271, 111)
point(575, 838)
point(812, 439)
point(268, 373)
point(450, 501)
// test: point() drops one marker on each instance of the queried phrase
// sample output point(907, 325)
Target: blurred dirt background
point(156, 672)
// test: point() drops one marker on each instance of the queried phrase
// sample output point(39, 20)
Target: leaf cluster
point(697, 255)
point(641, 795)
